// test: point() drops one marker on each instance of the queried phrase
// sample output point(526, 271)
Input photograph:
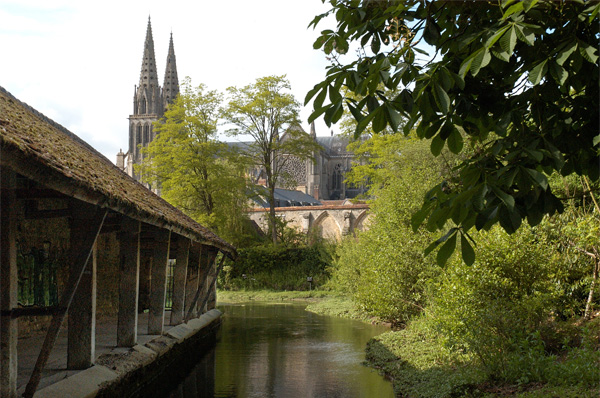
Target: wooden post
point(8, 285)
point(79, 255)
point(201, 289)
point(191, 283)
point(204, 273)
point(214, 280)
point(212, 288)
point(158, 285)
point(145, 275)
point(179, 278)
point(82, 314)
point(129, 283)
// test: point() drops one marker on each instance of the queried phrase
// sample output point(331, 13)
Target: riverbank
point(318, 301)
point(419, 366)
point(240, 296)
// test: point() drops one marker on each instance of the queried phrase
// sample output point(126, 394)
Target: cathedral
point(321, 178)
point(150, 101)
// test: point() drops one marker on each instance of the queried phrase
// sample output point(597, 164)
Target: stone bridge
point(327, 221)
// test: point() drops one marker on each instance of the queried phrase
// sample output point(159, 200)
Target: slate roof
point(46, 152)
point(335, 145)
point(288, 197)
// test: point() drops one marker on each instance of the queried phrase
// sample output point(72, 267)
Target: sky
point(77, 61)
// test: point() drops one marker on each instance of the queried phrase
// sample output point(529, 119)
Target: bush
point(278, 268)
point(419, 366)
point(503, 310)
point(385, 273)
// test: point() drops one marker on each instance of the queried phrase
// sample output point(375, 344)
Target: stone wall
point(330, 222)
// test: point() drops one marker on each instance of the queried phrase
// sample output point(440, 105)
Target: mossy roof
point(46, 152)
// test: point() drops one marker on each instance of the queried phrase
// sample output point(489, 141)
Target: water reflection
point(268, 350)
point(200, 381)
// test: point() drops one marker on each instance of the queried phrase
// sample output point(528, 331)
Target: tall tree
point(516, 81)
point(195, 172)
point(265, 110)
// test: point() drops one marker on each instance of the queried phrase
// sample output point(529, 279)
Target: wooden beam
point(214, 279)
point(34, 214)
point(8, 284)
point(212, 288)
point(80, 253)
point(39, 193)
point(201, 287)
point(129, 283)
point(32, 311)
point(81, 341)
point(179, 278)
point(107, 229)
point(192, 280)
point(158, 284)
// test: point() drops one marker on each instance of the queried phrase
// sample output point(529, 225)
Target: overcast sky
point(77, 61)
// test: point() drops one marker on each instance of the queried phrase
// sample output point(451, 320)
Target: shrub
point(385, 273)
point(278, 267)
point(503, 310)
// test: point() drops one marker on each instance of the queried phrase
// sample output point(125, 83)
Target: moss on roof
point(69, 161)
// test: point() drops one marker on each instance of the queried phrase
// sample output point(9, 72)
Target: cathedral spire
point(148, 92)
point(313, 132)
point(171, 82)
point(148, 74)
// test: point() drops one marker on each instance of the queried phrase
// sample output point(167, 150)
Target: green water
point(281, 350)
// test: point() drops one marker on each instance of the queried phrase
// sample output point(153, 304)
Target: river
point(281, 350)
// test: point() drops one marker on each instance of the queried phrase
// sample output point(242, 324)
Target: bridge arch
point(361, 221)
point(326, 226)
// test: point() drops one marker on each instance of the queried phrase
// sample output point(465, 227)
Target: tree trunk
point(588, 304)
point(272, 219)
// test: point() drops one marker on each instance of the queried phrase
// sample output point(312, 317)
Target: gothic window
point(142, 106)
point(146, 135)
point(337, 177)
point(131, 136)
point(138, 135)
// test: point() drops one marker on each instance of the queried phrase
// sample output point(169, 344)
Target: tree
point(197, 173)
point(516, 81)
point(383, 268)
point(264, 110)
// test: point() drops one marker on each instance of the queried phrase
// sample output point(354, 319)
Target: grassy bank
point(241, 296)
point(319, 301)
point(420, 367)
point(342, 307)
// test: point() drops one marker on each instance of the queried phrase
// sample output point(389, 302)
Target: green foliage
point(265, 110)
point(278, 267)
point(242, 296)
point(576, 238)
point(504, 309)
point(383, 268)
point(194, 171)
point(513, 85)
point(341, 307)
point(420, 366)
